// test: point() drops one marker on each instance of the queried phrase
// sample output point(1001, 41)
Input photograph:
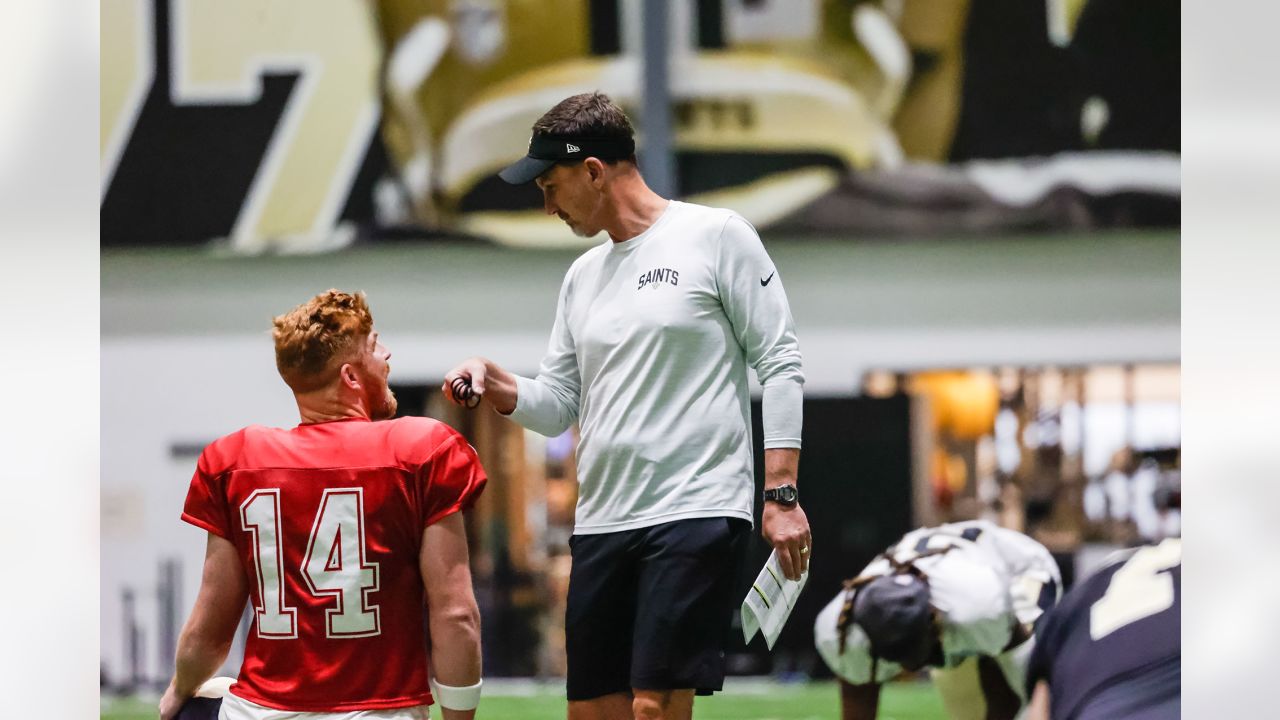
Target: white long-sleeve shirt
point(649, 353)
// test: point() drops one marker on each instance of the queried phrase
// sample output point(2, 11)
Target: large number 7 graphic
point(335, 564)
point(317, 146)
point(1139, 589)
point(219, 51)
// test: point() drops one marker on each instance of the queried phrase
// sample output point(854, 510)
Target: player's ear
point(347, 374)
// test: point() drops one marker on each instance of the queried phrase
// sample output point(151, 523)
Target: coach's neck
point(632, 206)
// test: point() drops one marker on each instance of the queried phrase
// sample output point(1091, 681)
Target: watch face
point(784, 494)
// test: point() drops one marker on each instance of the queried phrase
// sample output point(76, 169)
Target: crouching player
point(960, 599)
point(345, 534)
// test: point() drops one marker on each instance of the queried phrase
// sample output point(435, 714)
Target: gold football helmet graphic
point(770, 108)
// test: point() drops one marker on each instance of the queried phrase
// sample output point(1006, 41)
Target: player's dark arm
point(452, 613)
point(859, 702)
point(494, 384)
point(1003, 702)
point(785, 528)
point(206, 638)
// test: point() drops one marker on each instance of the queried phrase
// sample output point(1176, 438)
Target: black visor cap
point(547, 150)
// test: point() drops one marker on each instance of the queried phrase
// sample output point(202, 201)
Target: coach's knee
point(648, 706)
point(662, 704)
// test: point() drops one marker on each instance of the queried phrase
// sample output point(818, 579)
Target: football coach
point(654, 332)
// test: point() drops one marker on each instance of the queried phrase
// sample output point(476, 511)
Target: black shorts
point(651, 608)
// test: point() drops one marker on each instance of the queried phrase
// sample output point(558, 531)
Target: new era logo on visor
point(570, 147)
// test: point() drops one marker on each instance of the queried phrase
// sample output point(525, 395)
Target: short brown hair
point(591, 114)
point(317, 335)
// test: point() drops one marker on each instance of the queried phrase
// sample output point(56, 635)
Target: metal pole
point(167, 607)
point(656, 157)
point(132, 643)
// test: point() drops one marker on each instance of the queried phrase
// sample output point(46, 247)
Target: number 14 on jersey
point(335, 565)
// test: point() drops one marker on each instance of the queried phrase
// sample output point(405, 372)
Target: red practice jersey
point(328, 520)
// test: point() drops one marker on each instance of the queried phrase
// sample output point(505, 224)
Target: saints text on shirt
point(659, 275)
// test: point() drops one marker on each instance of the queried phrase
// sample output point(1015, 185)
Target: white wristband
point(456, 698)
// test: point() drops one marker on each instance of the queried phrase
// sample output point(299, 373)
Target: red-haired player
point(345, 535)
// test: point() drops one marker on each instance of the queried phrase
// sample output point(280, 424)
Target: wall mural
point(312, 125)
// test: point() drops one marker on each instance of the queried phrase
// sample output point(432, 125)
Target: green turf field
point(812, 701)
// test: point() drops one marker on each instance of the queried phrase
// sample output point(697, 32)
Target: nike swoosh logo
point(766, 280)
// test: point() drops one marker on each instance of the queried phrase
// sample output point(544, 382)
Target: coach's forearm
point(785, 527)
point(781, 466)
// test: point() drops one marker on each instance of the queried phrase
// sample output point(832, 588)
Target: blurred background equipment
point(975, 204)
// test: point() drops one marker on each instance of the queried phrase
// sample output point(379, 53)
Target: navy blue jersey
point(1113, 647)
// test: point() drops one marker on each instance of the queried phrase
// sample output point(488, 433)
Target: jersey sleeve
point(206, 505)
point(452, 480)
point(974, 599)
point(756, 306)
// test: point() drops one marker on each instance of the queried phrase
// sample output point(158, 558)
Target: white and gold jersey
point(987, 583)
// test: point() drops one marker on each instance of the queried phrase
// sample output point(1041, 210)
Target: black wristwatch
point(783, 495)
